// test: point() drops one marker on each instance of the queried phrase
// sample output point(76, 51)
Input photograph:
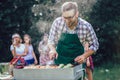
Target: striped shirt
point(84, 31)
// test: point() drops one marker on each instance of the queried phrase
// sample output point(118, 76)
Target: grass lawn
point(107, 72)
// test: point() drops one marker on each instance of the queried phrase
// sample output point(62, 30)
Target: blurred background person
point(89, 63)
point(30, 57)
point(17, 49)
point(44, 51)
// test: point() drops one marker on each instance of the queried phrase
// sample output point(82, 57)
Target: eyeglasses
point(69, 17)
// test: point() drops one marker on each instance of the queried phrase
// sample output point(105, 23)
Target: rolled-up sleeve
point(92, 39)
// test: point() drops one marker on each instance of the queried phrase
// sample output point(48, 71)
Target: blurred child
point(30, 57)
point(89, 63)
point(44, 51)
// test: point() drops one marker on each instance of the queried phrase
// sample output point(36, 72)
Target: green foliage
point(105, 17)
point(15, 17)
point(44, 12)
point(45, 1)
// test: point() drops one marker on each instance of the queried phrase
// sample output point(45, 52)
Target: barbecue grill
point(73, 73)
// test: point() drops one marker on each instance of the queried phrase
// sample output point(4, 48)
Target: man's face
point(70, 18)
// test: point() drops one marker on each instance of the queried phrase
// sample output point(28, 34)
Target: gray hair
point(69, 6)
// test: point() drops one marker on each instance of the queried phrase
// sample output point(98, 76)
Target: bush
point(105, 18)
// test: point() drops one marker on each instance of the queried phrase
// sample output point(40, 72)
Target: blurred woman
point(17, 49)
point(44, 51)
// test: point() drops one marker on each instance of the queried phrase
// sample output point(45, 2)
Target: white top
point(29, 54)
point(21, 49)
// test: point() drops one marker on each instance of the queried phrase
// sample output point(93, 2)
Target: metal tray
point(49, 74)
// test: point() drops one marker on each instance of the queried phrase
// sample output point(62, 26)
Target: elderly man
point(68, 34)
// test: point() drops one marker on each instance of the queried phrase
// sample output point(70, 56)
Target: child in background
point(30, 57)
point(89, 63)
point(44, 51)
point(17, 49)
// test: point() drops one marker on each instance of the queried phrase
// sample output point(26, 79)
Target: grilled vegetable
point(61, 66)
point(68, 66)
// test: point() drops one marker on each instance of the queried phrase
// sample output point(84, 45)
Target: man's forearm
point(88, 53)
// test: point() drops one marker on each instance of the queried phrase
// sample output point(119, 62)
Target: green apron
point(68, 48)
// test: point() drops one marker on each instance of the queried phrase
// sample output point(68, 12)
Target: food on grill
point(61, 65)
point(48, 66)
point(65, 66)
point(31, 67)
point(42, 67)
point(68, 66)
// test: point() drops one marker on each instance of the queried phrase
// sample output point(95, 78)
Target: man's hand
point(53, 54)
point(80, 59)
